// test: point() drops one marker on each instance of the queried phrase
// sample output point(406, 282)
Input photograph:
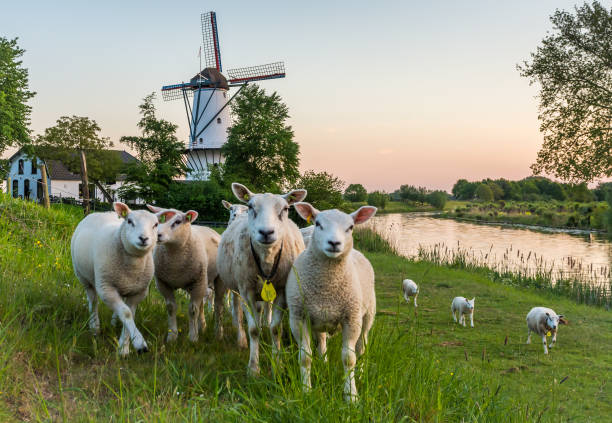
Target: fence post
point(45, 187)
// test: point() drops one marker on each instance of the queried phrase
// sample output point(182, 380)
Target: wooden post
point(85, 183)
point(9, 189)
point(45, 187)
point(104, 192)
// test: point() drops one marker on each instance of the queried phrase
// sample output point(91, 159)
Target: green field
point(418, 367)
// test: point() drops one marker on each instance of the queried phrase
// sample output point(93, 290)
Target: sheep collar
point(272, 273)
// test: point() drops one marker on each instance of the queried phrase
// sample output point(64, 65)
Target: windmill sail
point(210, 39)
point(256, 73)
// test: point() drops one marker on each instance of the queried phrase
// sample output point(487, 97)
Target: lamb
point(235, 210)
point(307, 234)
point(463, 306)
point(112, 257)
point(544, 321)
point(254, 252)
point(410, 289)
point(185, 258)
point(332, 286)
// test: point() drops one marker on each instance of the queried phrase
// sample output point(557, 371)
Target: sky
point(380, 93)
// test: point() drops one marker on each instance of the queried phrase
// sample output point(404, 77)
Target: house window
point(20, 169)
point(15, 188)
point(39, 189)
point(34, 166)
point(26, 189)
point(218, 120)
point(201, 140)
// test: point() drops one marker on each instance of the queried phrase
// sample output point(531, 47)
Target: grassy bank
point(419, 366)
point(392, 207)
point(555, 214)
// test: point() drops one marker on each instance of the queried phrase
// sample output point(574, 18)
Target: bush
point(437, 199)
point(378, 199)
point(484, 192)
point(355, 193)
point(324, 189)
point(202, 196)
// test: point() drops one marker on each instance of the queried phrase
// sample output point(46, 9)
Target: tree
point(260, 150)
point(355, 193)
point(412, 193)
point(437, 199)
point(378, 199)
point(72, 139)
point(464, 190)
point(484, 193)
point(14, 95)
point(573, 67)
point(160, 156)
point(324, 189)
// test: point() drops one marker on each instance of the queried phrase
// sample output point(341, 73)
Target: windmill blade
point(256, 73)
point(210, 39)
point(175, 92)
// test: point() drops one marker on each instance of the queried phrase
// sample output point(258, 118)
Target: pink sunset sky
point(380, 93)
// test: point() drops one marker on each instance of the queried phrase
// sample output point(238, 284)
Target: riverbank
point(419, 365)
point(553, 214)
point(391, 207)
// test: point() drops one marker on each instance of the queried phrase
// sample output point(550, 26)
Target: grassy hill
point(419, 366)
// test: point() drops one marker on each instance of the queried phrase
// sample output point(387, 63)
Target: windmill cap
point(213, 77)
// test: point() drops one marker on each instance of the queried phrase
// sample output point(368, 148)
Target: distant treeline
point(533, 188)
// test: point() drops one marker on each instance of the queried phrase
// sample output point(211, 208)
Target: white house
point(25, 181)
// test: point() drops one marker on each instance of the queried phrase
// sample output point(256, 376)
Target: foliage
point(4, 169)
point(573, 67)
point(71, 134)
point(14, 95)
point(484, 192)
point(202, 196)
point(324, 189)
point(413, 193)
point(160, 156)
point(355, 193)
point(378, 199)
point(437, 199)
point(260, 150)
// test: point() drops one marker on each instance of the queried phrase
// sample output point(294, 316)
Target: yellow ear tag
point(548, 334)
point(246, 197)
point(123, 213)
point(268, 293)
point(189, 217)
point(309, 219)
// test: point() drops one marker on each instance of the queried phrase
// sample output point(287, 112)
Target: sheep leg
point(415, 300)
point(92, 299)
point(462, 320)
point(276, 327)
point(321, 338)
point(237, 319)
point(219, 306)
point(350, 334)
point(453, 314)
point(553, 340)
point(252, 315)
point(365, 329)
point(301, 333)
point(472, 319)
point(196, 307)
point(544, 343)
point(113, 300)
point(168, 294)
point(528, 336)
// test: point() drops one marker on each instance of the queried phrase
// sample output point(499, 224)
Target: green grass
point(415, 369)
point(391, 207)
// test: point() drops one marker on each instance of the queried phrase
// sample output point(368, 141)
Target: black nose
point(334, 244)
point(143, 239)
point(266, 233)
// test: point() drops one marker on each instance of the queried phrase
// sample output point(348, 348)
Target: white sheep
point(544, 321)
point(112, 257)
point(182, 262)
point(235, 210)
point(253, 250)
point(307, 234)
point(463, 306)
point(410, 289)
point(332, 286)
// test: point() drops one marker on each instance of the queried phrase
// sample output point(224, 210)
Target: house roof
point(58, 171)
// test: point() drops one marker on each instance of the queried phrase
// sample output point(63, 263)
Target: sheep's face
point(235, 210)
point(470, 304)
point(177, 228)
point(552, 321)
point(138, 230)
point(333, 233)
point(267, 213)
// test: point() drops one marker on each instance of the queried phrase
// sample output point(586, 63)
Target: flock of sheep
point(263, 259)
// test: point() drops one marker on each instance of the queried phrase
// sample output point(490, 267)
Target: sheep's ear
point(226, 204)
point(473, 299)
point(563, 320)
point(164, 216)
point(295, 196)
point(241, 192)
point(153, 208)
point(306, 211)
point(191, 216)
point(363, 214)
point(121, 209)
point(547, 315)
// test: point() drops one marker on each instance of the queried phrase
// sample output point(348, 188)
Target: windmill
point(206, 97)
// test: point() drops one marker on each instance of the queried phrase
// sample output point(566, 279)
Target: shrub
point(437, 199)
point(378, 199)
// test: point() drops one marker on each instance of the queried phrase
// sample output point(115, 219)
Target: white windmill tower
point(208, 114)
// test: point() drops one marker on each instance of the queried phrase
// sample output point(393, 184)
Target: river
point(519, 249)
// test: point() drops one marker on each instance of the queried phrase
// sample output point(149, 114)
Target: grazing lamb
point(410, 289)
point(463, 306)
point(260, 248)
point(544, 321)
point(185, 258)
point(332, 286)
point(235, 210)
point(112, 257)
